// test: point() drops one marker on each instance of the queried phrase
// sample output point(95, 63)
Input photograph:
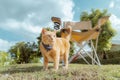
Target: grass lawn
point(75, 72)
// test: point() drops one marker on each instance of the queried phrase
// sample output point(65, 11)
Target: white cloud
point(15, 25)
point(37, 12)
point(29, 16)
point(5, 45)
point(116, 25)
point(67, 6)
point(115, 21)
point(115, 4)
point(112, 4)
point(21, 28)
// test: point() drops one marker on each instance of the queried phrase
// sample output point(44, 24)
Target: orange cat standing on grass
point(54, 49)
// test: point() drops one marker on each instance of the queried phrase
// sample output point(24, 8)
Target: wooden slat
point(83, 25)
point(103, 20)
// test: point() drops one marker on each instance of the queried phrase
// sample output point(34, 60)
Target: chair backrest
point(83, 25)
point(92, 33)
point(82, 36)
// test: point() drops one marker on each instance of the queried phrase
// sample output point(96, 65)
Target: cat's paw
point(45, 69)
point(65, 67)
point(54, 70)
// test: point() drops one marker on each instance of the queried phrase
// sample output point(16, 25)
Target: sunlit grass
point(75, 72)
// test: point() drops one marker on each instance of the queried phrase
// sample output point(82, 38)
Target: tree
point(107, 32)
point(4, 58)
point(23, 52)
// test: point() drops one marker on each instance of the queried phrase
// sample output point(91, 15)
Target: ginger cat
point(54, 49)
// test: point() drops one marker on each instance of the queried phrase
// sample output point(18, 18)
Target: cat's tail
point(66, 33)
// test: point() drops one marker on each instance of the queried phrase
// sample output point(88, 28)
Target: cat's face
point(48, 37)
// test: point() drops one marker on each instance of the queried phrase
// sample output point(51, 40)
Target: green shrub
point(111, 61)
point(35, 60)
point(23, 52)
point(113, 54)
point(5, 59)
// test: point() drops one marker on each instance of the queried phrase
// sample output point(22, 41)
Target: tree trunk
point(104, 55)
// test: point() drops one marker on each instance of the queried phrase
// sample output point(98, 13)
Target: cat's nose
point(52, 39)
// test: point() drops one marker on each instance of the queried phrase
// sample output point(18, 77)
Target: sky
point(22, 20)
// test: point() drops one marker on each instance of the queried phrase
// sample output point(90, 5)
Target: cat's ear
point(43, 31)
